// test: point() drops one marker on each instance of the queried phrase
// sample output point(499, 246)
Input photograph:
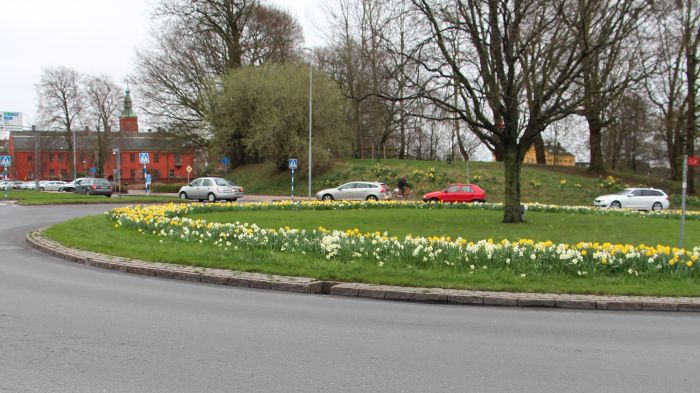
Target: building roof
point(557, 149)
point(87, 140)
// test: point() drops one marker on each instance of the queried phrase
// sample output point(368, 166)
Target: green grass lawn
point(476, 225)
point(28, 197)
point(90, 233)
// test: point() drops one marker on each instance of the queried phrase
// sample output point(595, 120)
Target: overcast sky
point(92, 37)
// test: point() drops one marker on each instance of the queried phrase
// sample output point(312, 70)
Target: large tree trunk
point(513, 163)
point(595, 132)
point(691, 118)
point(539, 150)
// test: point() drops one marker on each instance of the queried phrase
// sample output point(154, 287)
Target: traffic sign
point(148, 178)
point(144, 158)
point(188, 169)
point(293, 163)
point(5, 161)
point(93, 169)
point(693, 160)
point(226, 160)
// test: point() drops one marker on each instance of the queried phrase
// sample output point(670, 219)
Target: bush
point(166, 188)
point(124, 188)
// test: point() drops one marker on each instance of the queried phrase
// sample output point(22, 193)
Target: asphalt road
point(68, 328)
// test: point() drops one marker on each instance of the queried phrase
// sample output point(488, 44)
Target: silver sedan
point(356, 190)
point(211, 189)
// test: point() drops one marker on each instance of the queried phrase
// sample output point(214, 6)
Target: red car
point(457, 193)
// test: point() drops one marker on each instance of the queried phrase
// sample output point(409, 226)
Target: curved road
point(69, 328)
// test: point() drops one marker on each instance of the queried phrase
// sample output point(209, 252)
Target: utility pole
point(310, 110)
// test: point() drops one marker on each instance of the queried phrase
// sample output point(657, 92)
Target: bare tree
point(515, 77)
point(102, 99)
point(195, 44)
point(61, 101)
point(608, 29)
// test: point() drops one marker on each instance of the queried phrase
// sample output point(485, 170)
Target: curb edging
point(369, 291)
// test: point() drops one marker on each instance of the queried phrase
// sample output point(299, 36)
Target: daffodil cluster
point(522, 257)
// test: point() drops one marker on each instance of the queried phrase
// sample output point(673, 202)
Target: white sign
point(143, 158)
point(11, 121)
point(292, 163)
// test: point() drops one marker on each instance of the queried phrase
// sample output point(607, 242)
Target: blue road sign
point(93, 169)
point(293, 163)
point(144, 158)
point(5, 161)
point(148, 178)
point(226, 160)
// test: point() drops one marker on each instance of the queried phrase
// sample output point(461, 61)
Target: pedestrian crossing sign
point(6, 161)
point(143, 158)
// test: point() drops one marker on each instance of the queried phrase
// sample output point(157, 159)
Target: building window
point(52, 174)
point(171, 173)
point(178, 159)
point(50, 157)
point(155, 173)
point(64, 174)
point(29, 157)
point(132, 157)
point(155, 157)
point(132, 174)
point(60, 157)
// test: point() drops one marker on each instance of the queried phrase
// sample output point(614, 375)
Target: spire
point(128, 110)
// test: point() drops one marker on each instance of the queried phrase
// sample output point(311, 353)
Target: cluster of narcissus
point(521, 257)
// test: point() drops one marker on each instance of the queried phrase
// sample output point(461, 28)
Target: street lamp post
point(118, 170)
point(85, 168)
point(310, 110)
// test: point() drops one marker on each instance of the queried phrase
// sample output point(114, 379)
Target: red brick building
point(169, 157)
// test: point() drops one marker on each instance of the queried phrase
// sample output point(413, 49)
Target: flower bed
point(521, 257)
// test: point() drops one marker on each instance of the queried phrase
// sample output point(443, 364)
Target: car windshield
point(623, 192)
point(102, 182)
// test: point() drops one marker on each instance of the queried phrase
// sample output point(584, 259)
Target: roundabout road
point(71, 328)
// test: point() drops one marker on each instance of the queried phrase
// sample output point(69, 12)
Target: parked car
point(457, 192)
point(634, 198)
point(94, 186)
point(356, 190)
point(211, 189)
point(5, 185)
point(70, 186)
point(28, 185)
point(52, 185)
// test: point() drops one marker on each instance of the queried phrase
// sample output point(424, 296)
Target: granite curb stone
point(372, 291)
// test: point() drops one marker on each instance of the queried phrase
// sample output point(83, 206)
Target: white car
point(634, 198)
point(52, 185)
point(28, 185)
point(356, 190)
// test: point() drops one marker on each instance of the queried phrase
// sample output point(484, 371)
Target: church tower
point(128, 121)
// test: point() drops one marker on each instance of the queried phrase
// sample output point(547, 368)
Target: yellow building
point(554, 154)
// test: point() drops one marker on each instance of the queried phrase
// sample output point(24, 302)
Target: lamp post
point(85, 168)
point(310, 109)
point(118, 170)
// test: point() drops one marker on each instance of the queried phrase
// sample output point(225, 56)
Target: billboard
point(11, 121)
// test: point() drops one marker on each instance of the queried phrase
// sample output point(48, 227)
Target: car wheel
point(615, 205)
point(211, 197)
point(327, 197)
point(234, 199)
point(656, 207)
point(434, 200)
point(42, 189)
point(183, 196)
point(372, 197)
point(108, 195)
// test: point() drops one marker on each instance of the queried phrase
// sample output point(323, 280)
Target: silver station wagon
point(357, 190)
point(211, 189)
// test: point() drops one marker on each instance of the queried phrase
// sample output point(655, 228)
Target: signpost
point(226, 161)
point(144, 160)
point(189, 170)
point(293, 165)
point(6, 162)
